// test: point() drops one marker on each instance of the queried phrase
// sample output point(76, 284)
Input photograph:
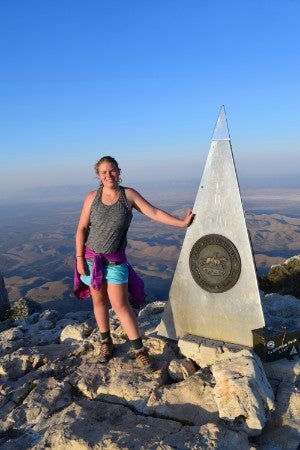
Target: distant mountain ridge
point(37, 242)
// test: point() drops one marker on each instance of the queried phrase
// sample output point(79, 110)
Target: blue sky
point(143, 80)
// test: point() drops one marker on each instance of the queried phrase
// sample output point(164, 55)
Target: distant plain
point(37, 242)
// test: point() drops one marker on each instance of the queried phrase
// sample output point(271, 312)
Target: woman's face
point(108, 174)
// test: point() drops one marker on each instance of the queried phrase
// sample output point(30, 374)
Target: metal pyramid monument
point(214, 293)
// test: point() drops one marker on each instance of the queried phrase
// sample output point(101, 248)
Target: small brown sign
point(215, 263)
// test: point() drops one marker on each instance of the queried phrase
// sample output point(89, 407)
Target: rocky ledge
point(202, 395)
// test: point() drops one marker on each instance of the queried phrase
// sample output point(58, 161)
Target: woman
point(102, 269)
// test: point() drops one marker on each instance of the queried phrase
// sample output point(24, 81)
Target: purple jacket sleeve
point(135, 283)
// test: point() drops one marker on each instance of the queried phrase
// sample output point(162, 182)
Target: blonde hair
point(109, 159)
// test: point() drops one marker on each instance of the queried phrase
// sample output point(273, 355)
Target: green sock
point(137, 344)
point(105, 336)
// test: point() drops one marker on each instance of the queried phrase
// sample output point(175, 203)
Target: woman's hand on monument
point(189, 217)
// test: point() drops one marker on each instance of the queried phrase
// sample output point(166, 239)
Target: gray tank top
point(109, 224)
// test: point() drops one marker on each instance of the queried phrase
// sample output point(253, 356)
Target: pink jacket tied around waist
point(135, 283)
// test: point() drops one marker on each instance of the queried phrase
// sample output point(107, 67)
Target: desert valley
point(37, 242)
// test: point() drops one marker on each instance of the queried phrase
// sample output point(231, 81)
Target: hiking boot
point(143, 359)
point(106, 350)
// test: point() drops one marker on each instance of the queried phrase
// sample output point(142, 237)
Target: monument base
point(271, 344)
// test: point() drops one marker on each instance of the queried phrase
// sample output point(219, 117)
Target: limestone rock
point(76, 332)
point(283, 370)
point(43, 399)
point(150, 316)
point(287, 413)
point(10, 340)
point(54, 393)
point(121, 380)
point(242, 392)
point(284, 429)
point(205, 352)
point(4, 302)
point(283, 278)
point(20, 362)
point(86, 425)
point(191, 400)
point(281, 309)
point(180, 370)
point(24, 307)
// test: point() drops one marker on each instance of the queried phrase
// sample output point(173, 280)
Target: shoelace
point(105, 349)
point(143, 357)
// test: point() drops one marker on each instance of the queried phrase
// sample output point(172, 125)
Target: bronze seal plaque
point(215, 263)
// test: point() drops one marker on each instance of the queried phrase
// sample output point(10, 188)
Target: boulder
point(283, 278)
point(22, 361)
point(75, 332)
point(11, 339)
point(283, 370)
point(242, 392)
point(4, 302)
point(205, 352)
point(24, 307)
point(190, 401)
point(181, 369)
point(281, 310)
point(284, 428)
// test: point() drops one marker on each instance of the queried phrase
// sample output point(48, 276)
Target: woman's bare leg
point(101, 307)
point(118, 295)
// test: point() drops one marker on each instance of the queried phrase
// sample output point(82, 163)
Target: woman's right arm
point(82, 230)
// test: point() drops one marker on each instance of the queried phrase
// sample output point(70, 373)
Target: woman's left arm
point(142, 205)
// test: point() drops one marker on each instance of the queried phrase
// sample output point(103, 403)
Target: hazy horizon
point(162, 188)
